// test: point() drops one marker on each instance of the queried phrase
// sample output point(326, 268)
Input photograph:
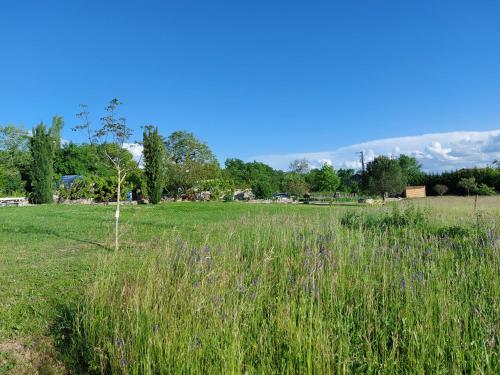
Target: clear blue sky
point(256, 77)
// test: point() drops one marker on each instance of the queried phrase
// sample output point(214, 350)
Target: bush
point(105, 189)
point(81, 188)
point(484, 189)
point(262, 189)
point(218, 187)
point(11, 183)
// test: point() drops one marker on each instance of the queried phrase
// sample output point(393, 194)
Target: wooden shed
point(415, 192)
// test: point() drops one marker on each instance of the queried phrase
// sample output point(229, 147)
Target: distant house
point(68, 180)
point(415, 192)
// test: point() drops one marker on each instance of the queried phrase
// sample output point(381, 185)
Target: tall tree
point(384, 175)
point(182, 146)
point(115, 132)
point(42, 158)
point(189, 161)
point(327, 179)
point(153, 152)
point(55, 131)
point(411, 170)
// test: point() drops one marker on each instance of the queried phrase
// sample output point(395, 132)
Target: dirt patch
point(29, 356)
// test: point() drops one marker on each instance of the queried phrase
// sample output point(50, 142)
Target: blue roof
point(68, 180)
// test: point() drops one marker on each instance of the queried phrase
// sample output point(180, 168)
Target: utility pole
point(361, 153)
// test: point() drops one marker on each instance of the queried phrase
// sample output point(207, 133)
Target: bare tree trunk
point(117, 213)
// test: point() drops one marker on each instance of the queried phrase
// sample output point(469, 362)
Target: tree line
point(181, 165)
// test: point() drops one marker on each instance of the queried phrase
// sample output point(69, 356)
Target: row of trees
point(181, 164)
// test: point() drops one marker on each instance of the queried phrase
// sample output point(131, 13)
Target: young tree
point(468, 184)
point(440, 189)
point(42, 158)
point(384, 175)
point(55, 131)
point(327, 179)
point(85, 124)
point(114, 153)
point(153, 163)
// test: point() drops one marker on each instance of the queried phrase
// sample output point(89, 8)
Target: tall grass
point(285, 293)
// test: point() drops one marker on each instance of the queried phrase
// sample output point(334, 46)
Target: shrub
point(484, 189)
point(218, 187)
point(81, 188)
point(105, 189)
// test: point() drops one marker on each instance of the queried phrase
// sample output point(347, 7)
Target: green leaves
point(42, 159)
point(154, 154)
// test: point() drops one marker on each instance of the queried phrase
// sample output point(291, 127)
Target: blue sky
point(257, 78)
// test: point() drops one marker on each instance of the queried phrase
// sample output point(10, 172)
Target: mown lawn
point(239, 288)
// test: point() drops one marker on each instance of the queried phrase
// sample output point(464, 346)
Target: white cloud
point(135, 149)
point(436, 152)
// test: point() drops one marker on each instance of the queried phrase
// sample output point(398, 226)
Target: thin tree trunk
point(117, 213)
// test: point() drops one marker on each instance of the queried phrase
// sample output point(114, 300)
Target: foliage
point(81, 188)
point(261, 178)
point(83, 160)
point(384, 175)
point(42, 158)
point(14, 160)
point(295, 184)
point(348, 181)
point(411, 170)
point(218, 187)
point(182, 146)
point(180, 178)
point(153, 163)
point(488, 176)
point(188, 162)
point(484, 189)
point(469, 184)
point(237, 170)
point(326, 179)
point(262, 189)
point(440, 189)
point(105, 189)
point(55, 131)
point(11, 183)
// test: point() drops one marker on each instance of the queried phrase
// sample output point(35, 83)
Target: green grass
point(242, 288)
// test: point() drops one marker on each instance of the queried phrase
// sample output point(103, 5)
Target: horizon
point(267, 81)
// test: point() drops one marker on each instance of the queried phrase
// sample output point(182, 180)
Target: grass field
point(242, 288)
